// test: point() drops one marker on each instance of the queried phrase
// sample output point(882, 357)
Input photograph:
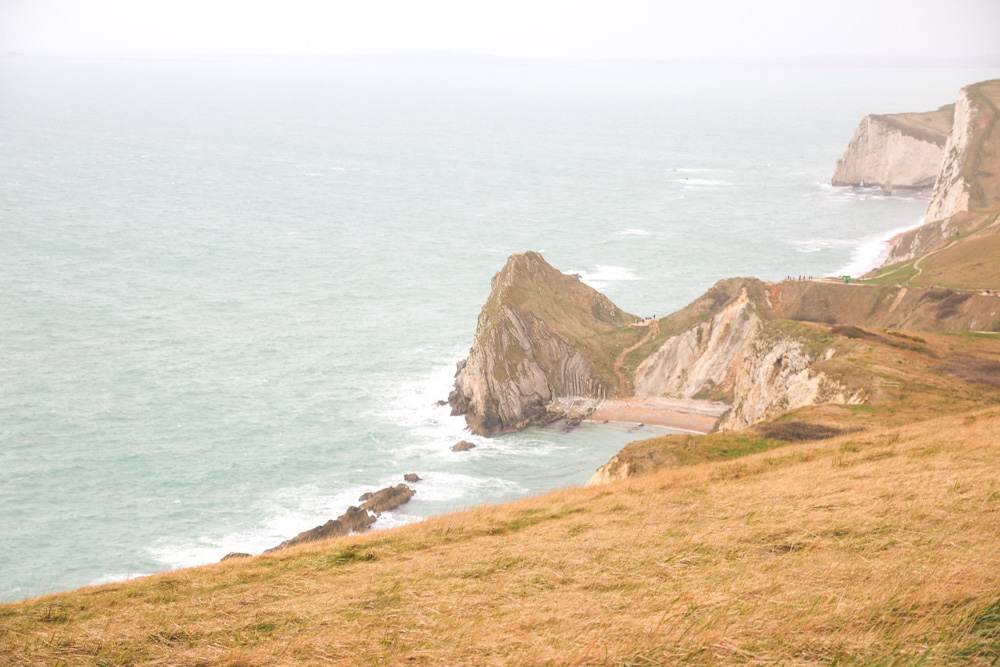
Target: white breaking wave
point(704, 182)
point(115, 578)
point(601, 275)
point(872, 252)
point(633, 232)
point(292, 511)
point(818, 245)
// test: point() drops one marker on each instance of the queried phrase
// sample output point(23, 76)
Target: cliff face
point(969, 177)
point(544, 337)
point(901, 150)
point(742, 356)
point(951, 191)
point(541, 336)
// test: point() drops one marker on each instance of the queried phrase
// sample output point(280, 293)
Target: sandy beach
point(681, 414)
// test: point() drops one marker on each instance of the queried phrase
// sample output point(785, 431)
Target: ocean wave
point(701, 182)
point(633, 232)
point(872, 252)
point(818, 244)
point(413, 405)
point(119, 577)
point(864, 193)
point(289, 512)
point(601, 275)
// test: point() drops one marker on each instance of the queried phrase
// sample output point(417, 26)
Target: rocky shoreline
point(357, 519)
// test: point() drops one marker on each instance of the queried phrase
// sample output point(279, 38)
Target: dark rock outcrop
point(355, 519)
point(234, 555)
point(388, 498)
point(411, 477)
point(462, 446)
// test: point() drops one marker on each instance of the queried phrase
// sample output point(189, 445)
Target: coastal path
point(654, 328)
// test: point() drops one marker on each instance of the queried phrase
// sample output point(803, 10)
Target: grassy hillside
point(880, 547)
point(982, 172)
point(930, 126)
point(968, 261)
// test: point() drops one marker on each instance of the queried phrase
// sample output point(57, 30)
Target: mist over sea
point(231, 291)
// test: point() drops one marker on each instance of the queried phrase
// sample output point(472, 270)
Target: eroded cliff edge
point(896, 151)
point(745, 356)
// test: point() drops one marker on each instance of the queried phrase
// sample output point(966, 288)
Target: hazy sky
point(520, 28)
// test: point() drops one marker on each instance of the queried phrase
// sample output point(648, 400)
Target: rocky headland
point(896, 151)
point(542, 337)
point(548, 346)
point(967, 181)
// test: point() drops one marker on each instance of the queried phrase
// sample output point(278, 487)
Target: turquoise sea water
point(232, 291)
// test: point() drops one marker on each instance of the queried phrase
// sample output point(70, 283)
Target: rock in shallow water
point(462, 446)
point(355, 519)
point(411, 477)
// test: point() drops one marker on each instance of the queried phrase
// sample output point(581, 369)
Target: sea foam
point(600, 276)
point(872, 252)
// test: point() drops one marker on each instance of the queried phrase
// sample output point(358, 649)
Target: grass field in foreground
point(880, 547)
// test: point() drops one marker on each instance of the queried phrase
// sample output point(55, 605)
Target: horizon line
point(442, 56)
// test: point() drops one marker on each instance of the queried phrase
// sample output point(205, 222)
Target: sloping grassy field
point(881, 547)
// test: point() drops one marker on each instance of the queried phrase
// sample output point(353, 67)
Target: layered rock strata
point(740, 355)
point(541, 336)
point(535, 345)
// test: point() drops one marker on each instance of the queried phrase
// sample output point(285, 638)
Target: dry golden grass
point(876, 548)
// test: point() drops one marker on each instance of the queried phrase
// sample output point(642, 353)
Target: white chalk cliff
point(895, 151)
point(951, 191)
point(954, 188)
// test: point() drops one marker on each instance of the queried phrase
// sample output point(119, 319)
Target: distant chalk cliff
point(896, 151)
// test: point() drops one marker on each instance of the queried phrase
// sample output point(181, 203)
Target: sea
point(232, 291)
